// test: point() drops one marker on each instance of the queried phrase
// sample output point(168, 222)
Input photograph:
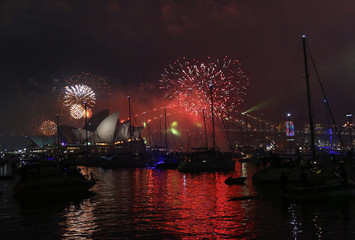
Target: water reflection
point(168, 204)
point(319, 220)
point(44, 214)
point(79, 220)
point(296, 226)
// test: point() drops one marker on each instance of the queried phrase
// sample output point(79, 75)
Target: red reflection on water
point(152, 202)
point(192, 205)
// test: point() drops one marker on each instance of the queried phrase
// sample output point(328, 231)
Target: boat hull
point(207, 165)
point(53, 185)
point(232, 181)
point(324, 192)
point(314, 174)
point(273, 175)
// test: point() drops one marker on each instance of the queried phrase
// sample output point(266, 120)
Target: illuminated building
point(102, 130)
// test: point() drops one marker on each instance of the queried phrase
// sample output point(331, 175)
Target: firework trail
point(190, 83)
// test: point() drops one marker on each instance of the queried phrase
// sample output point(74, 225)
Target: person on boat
point(283, 181)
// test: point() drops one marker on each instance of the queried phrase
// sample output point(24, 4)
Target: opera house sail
point(109, 141)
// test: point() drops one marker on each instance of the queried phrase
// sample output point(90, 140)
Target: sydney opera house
point(103, 133)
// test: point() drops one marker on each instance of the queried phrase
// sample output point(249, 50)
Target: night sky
point(130, 43)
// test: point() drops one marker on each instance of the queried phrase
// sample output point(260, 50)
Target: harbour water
point(167, 204)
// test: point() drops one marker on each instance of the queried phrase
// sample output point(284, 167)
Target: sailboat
point(331, 184)
point(316, 174)
point(167, 160)
point(208, 159)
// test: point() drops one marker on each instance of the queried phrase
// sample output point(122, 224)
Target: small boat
point(167, 165)
point(168, 161)
point(242, 198)
point(50, 179)
point(232, 181)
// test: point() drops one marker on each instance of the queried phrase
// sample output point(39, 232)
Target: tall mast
point(86, 128)
point(213, 135)
point(204, 123)
point(166, 132)
point(150, 142)
point(309, 99)
point(58, 132)
point(188, 140)
point(129, 116)
point(161, 137)
point(350, 125)
point(262, 130)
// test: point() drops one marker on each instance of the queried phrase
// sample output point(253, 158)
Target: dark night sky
point(130, 42)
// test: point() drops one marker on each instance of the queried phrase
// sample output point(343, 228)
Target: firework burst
point(192, 82)
point(77, 111)
point(102, 89)
point(48, 128)
point(83, 88)
point(79, 94)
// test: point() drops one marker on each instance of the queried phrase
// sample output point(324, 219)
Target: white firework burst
point(77, 111)
point(79, 94)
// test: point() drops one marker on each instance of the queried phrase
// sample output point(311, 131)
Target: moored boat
point(335, 188)
point(232, 181)
point(273, 174)
point(49, 179)
point(209, 160)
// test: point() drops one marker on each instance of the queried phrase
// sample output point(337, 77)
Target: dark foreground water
point(168, 204)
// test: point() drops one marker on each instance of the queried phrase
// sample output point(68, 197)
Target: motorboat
point(50, 179)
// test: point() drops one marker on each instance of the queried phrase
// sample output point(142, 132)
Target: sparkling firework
point(48, 128)
point(84, 87)
point(77, 111)
point(189, 82)
point(79, 94)
point(102, 89)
